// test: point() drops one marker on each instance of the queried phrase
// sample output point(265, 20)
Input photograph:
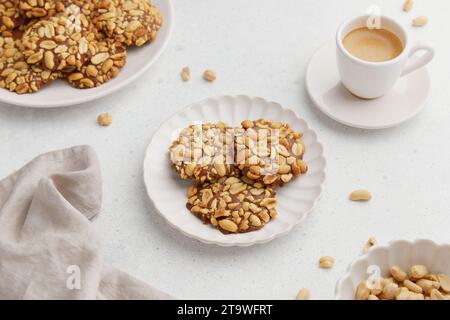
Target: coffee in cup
point(371, 61)
point(375, 45)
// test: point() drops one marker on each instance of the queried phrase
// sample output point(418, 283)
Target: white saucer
point(403, 102)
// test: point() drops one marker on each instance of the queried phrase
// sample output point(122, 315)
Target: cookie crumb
point(360, 195)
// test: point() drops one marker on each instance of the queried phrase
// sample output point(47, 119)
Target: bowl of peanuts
point(402, 270)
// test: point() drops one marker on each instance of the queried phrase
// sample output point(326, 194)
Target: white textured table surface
point(257, 48)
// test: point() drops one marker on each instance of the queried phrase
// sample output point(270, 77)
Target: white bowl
point(61, 94)
point(401, 253)
point(168, 192)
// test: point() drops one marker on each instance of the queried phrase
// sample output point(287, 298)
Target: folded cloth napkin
point(48, 247)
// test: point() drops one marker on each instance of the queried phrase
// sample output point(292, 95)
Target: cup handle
point(416, 63)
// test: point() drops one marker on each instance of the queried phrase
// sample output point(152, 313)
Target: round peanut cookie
point(110, 57)
point(269, 152)
point(231, 205)
point(59, 44)
point(15, 74)
point(204, 152)
point(10, 17)
point(132, 22)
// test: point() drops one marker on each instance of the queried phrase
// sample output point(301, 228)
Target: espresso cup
point(368, 79)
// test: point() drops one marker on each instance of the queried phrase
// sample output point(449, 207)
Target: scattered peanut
point(420, 21)
point(303, 294)
point(407, 6)
point(209, 75)
point(369, 244)
point(186, 74)
point(326, 262)
point(104, 119)
point(360, 195)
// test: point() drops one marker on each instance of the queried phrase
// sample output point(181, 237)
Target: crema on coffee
point(375, 45)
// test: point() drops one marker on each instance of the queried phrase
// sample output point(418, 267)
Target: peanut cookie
point(269, 152)
point(59, 44)
point(204, 152)
point(40, 8)
point(49, 8)
point(10, 17)
point(109, 58)
point(15, 74)
point(132, 22)
point(231, 205)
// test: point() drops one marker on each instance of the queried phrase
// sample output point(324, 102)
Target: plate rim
point(355, 125)
point(236, 243)
point(169, 17)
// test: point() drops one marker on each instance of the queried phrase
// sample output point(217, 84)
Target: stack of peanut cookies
point(82, 41)
point(237, 170)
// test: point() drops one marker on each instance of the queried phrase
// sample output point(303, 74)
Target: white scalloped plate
point(168, 192)
point(401, 253)
point(61, 94)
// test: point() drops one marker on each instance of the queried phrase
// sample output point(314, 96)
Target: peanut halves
point(420, 21)
point(407, 6)
point(360, 195)
point(209, 75)
point(186, 74)
point(303, 294)
point(326, 262)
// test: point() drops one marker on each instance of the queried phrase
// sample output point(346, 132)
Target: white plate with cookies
point(60, 93)
point(169, 193)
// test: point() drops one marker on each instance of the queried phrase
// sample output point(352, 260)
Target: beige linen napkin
point(48, 247)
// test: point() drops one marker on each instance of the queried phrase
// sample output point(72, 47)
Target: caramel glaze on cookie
point(131, 22)
point(41, 8)
point(15, 74)
point(59, 43)
point(10, 17)
point(109, 58)
point(201, 152)
point(269, 152)
point(231, 205)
